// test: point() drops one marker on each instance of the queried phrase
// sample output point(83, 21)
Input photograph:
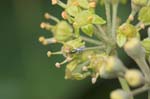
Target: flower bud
point(119, 94)
point(113, 64)
point(105, 74)
point(134, 77)
point(134, 49)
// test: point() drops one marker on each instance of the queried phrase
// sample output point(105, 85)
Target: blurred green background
point(25, 70)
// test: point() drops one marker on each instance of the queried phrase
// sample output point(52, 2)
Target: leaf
point(98, 20)
point(88, 29)
point(121, 39)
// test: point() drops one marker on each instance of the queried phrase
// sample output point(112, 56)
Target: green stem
point(114, 19)
point(89, 40)
point(124, 85)
point(140, 90)
point(101, 33)
point(108, 16)
point(95, 48)
point(54, 18)
point(61, 4)
point(144, 67)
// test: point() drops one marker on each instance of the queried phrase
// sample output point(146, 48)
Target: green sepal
point(144, 14)
point(73, 10)
point(121, 39)
point(98, 20)
point(82, 18)
point(88, 29)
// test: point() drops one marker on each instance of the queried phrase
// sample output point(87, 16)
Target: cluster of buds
point(90, 50)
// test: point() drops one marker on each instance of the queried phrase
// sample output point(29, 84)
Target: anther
point(84, 68)
point(49, 53)
point(131, 17)
point(58, 65)
point(142, 25)
point(54, 2)
point(92, 4)
point(47, 16)
point(64, 15)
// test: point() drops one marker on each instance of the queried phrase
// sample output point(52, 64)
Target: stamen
point(49, 41)
point(46, 26)
point(47, 16)
point(58, 65)
point(54, 2)
point(49, 53)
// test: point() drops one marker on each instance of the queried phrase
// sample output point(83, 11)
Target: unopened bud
point(134, 77)
point(119, 94)
point(113, 64)
point(41, 39)
point(134, 49)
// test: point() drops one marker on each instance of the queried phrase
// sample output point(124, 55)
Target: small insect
point(78, 50)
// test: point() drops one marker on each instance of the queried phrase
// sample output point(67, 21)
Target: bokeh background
point(25, 70)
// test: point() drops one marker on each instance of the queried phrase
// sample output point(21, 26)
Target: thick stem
point(124, 85)
point(108, 16)
point(114, 19)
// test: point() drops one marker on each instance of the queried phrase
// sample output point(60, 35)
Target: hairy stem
point(114, 19)
point(108, 16)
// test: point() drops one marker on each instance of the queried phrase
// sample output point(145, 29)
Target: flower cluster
point(89, 43)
